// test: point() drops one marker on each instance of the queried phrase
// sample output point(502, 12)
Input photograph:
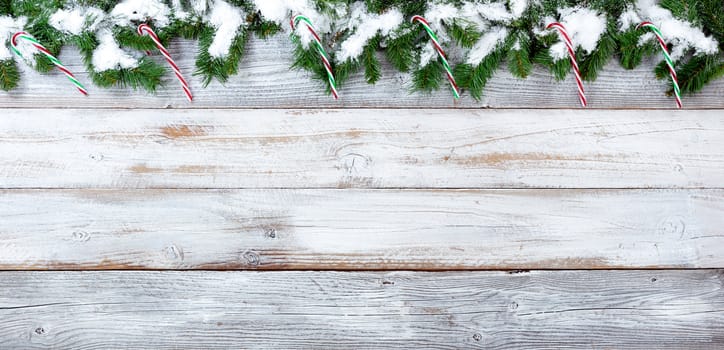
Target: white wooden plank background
point(361, 229)
point(332, 310)
point(265, 80)
point(361, 148)
point(419, 182)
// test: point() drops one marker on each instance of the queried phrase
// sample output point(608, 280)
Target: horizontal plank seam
point(502, 188)
point(363, 108)
point(510, 271)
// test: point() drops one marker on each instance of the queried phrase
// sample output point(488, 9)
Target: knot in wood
point(672, 226)
point(354, 163)
point(270, 232)
point(251, 258)
point(81, 236)
point(174, 252)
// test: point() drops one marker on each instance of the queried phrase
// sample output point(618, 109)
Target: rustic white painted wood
point(367, 310)
point(360, 229)
point(265, 80)
point(254, 189)
point(360, 148)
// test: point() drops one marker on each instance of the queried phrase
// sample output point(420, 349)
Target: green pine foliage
point(215, 67)
point(9, 75)
point(693, 71)
point(476, 77)
point(263, 29)
point(519, 61)
point(524, 48)
point(428, 78)
point(630, 52)
point(146, 76)
point(400, 50)
point(372, 65)
point(38, 12)
point(465, 34)
point(105, 5)
point(591, 64)
point(130, 38)
point(6, 7)
point(700, 69)
point(308, 59)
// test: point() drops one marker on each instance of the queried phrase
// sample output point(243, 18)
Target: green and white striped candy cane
point(43, 50)
point(320, 49)
point(440, 52)
point(667, 58)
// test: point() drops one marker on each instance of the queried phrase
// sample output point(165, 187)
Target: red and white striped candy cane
point(146, 29)
point(574, 63)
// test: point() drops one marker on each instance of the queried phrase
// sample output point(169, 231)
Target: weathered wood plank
point(361, 148)
point(360, 230)
point(265, 80)
point(367, 310)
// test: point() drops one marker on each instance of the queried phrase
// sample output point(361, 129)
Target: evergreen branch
point(427, 78)
point(465, 35)
point(308, 59)
point(519, 63)
point(6, 7)
point(183, 29)
point(401, 48)
point(698, 72)
point(631, 54)
point(343, 71)
point(559, 68)
point(50, 38)
point(661, 70)
point(105, 5)
point(9, 75)
point(129, 38)
point(476, 77)
point(373, 68)
point(592, 64)
point(408, 8)
point(146, 76)
point(217, 67)
point(263, 29)
point(712, 18)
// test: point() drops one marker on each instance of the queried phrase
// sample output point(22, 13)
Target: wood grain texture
point(361, 230)
point(361, 149)
point(316, 310)
point(265, 80)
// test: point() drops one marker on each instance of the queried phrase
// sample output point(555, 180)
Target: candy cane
point(440, 52)
point(53, 59)
point(294, 22)
point(574, 63)
point(667, 58)
point(146, 29)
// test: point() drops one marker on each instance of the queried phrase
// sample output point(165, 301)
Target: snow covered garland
point(461, 41)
